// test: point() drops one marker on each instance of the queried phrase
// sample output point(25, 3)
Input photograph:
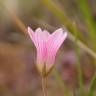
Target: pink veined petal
point(38, 32)
point(31, 33)
point(56, 39)
point(41, 36)
point(46, 34)
point(40, 46)
point(47, 46)
point(40, 39)
point(54, 43)
point(33, 37)
point(53, 37)
point(39, 42)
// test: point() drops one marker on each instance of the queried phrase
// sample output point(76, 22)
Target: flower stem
point(44, 86)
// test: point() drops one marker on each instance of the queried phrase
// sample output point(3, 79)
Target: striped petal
point(53, 44)
point(47, 46)
point(39, 43)
point(31, 33)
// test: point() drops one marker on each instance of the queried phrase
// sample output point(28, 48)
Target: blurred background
point(18, 73)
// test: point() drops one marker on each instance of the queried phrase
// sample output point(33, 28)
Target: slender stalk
point(78, 63)
point(44, 86)
point(87, 15)
point(91, 86)
point(80, 79)
point(61, 82)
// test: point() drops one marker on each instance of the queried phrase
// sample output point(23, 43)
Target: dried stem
point(44, 86)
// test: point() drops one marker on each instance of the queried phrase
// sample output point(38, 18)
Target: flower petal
point(40, 46)
point(42, 34)
point(47, 46)
point(38, 32)
point(46, 34)
point(54, 42)
point(31, 33)
point(32, 36)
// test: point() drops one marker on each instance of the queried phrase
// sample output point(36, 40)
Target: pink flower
point(47, 46)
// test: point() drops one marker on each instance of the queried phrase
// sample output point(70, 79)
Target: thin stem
point(82, 45)
point(44, 86)
point(91, 87)
point(80, 79)
point(92, 84)
point(61, 82)
point(78, 63)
